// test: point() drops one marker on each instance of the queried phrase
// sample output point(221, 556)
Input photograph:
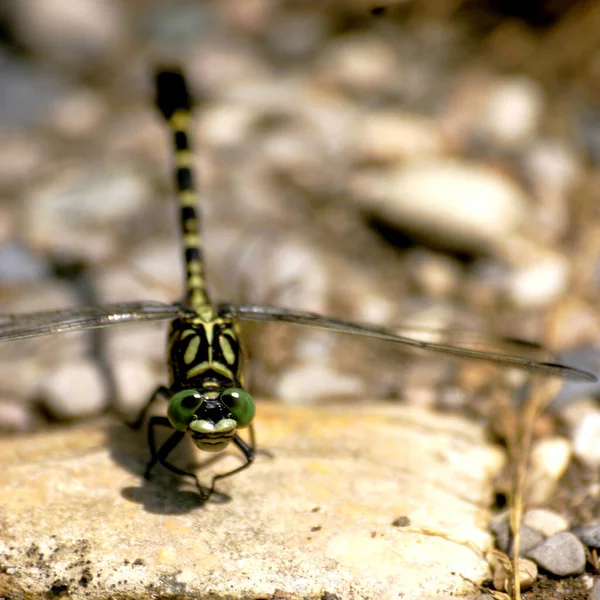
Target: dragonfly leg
point(161, 390)
point(248, 452)
point(163, 452)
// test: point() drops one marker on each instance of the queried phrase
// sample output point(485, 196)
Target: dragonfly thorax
point(204, 354)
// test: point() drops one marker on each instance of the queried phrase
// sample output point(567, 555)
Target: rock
point(316, 516)
point(14, 416)
point(72, 209)
point(529, 538)
point(539, 283)
point(528, 573)
point(586, 439)
point(78, 115)
point(76, 35)
point(135, 381)
point(18, 265)
point(74, 390)
point(362, 63)
point(561, 554)
point(467, 206)
point(21, 158)
point(589, 534)
point(513, 112)
point(545, 521)
point(549, 460)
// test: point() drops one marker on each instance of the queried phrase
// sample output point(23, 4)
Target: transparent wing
point(268, 313)
point(17, 326)
point(473, 339)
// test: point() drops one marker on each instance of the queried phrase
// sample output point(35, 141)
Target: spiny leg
point(248, 452)
point(162, 454)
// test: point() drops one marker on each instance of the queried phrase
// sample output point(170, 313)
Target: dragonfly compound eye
point(241, 405)
point(182, 408)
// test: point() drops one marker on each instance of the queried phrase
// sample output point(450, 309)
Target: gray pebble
point(589, 534)
point(561, 554)
point(530, 538)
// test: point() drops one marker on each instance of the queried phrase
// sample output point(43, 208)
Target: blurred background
point(432, 162)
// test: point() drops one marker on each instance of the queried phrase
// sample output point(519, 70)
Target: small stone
point(586, 439)
point(589, 534)
point(551, 456)
point(513, 111)
point(561, 554)
point(361, 63)
point(73, 33)
point(226, 125)
point(20, 160)
point(539, 283)
point(529, 538)
point(528, 573)
point(74, 390)
point(78, 114)
point(595, 591)
point(549, 460)
point(545, 521)
point(437, 274)
point(74, 208)
point(136, 382)
point(15, 416)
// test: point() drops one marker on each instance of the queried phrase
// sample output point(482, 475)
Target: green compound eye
point(241, 405)
point(182, 407)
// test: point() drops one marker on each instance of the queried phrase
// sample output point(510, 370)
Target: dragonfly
point(207, 399)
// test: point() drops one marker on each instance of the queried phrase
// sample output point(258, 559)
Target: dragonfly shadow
point(165, 493)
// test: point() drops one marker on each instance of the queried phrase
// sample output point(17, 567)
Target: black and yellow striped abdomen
point(205, 354)
point(174, 101)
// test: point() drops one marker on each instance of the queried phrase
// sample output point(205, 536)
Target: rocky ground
point(429, 163)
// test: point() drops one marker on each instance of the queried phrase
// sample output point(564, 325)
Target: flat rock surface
point(315, 518)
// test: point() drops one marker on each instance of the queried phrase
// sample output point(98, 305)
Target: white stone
point(136, 382)
point(539, 283)
point(551, 456)
point(225, 125)
point(463, 204)
point(586, 439)
point(74, 390)
point(365, 63)
point(73, 33)
point(513, 111)
point(545, 521)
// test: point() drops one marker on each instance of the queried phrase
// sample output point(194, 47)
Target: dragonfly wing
point(17, 326)
point(268, 313)
point(474, 339)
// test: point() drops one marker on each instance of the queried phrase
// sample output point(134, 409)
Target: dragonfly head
point(211, 422)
